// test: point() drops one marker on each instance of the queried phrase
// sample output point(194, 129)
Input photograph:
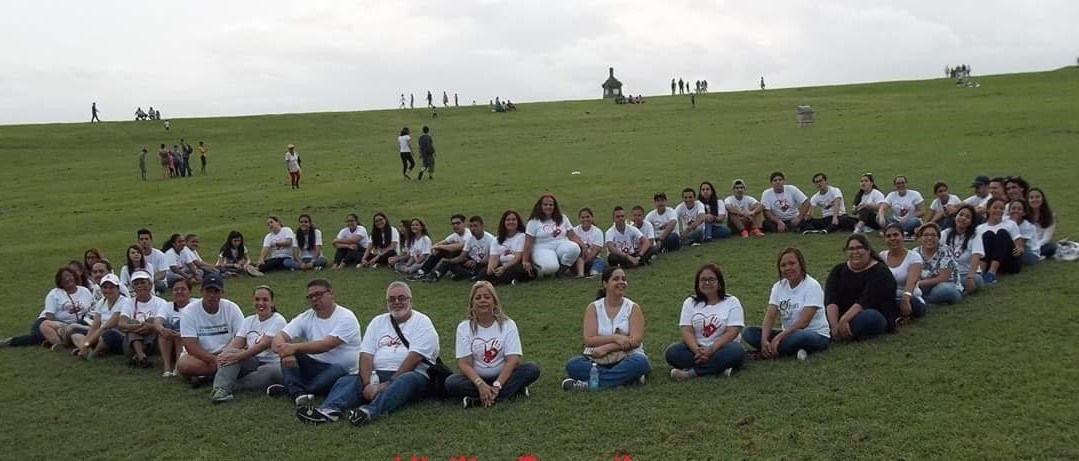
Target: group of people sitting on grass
point(396, 360)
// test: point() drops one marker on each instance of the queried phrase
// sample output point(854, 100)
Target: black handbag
point(437, 372)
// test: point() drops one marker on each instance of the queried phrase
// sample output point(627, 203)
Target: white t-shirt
point(143, 311)
point(962, 255)
point(488, 346)
point(156, 259)
point(709, 321)
point(629, 241)
point(173, 259)
point(125, 273)
point(783, 205)
point(389, 351)
point(824, 202)
point(341, 324)
point(976, 201)
point(420, 247)
point(508, 249)
point(743, 205)
point(658, 219)
point(232, 255)
point(187, 256)
point(271, 238)
point(1028, 231)
point(791, 301)
point(478, 250)
point(903, 205)
point(292, 161)
point(455, 237)
point(593, 237)
point(393, 244)
point(873, 197)
point(900, 272)
point(106, 313)
point(952, 200)
point(168, 314)
point(68, 307)
point(646, 229)
point(686, 214)
point(305, 253)
point(252, 330)
point(360, 232)
point(213, 331)
point(548, 232)
point(403, 142)
point(606, 326)
point(1004, 224)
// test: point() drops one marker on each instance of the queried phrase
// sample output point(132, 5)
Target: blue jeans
point(1049, 249)
point(596, 264)
point(716, 230)
point(868, 323)
point(798, 339)
point(457, 385)
point(917, 306)
point(672, 243)
point(731, 355)
point(628, 371)
point(695, 235)
point(944, 293)
point(1028, 259)
point(909, 225)
point(346, 392)
point(311, 376)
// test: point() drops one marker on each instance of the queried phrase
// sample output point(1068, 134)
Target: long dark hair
point(537, 210)
point(306, 240)
point(131, 265)
point(1045, 214)
point(381, 237)
point(226, 248)
point(93, 251)
point(975, 220)
point(858, 196)
point(503, 233)
point(607, 273)
point(698, 296)
point(168, 244)
point(712, 202)
point(412, 238)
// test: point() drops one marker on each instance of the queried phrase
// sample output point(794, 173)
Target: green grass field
point(994, 377)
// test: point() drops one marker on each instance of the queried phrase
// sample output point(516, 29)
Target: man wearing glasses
point(394, 358)
point(328, 350)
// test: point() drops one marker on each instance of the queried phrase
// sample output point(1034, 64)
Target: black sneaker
point(313, 416)
point(198, 381)
point(359, 416)
point(276, 390)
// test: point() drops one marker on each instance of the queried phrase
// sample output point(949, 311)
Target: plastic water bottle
point(374, 378)
point(593, 378)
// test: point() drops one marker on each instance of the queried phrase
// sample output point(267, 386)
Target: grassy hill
point(993, 377)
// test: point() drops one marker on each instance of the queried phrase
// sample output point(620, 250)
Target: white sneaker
point(802, 354)
point(570, 384)
point(168, 374)
point(305, 400)
point(728, 372)
point(682, 375)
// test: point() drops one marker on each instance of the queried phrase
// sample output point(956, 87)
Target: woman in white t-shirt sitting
point(179, 266)
point(943, 208)
point(277, 245)
point(135, 262)
point(1000, 240)
point(939, 280)
point(248, 362)
point(308, 249)
point(965, 245)
point(167, 325)
point(904, 207)
point(613, 330)
point(1041, 216)
point(797, 300)
point(551, 247)
point(384, 242)
point(868, 205)
point(350, 243)
point(1028, 233)
point(504, 263)
point(590, 263)
point(233, 258)
point(417, 249)
point(906, 268)
point(715, 212)
point(65, 304)
point(710, 323)
point(489, 354)
point(101, 338)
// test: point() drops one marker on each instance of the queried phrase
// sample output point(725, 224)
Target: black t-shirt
point(871, 288)
point(427, 145)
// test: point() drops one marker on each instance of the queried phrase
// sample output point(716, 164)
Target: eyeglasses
point(709, 280)
point(316, 295)
point(856, 248)
point(398, 299)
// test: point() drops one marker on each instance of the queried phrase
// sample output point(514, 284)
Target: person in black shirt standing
point(860, 294)
point(427, 154)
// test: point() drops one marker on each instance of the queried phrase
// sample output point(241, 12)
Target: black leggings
point(35, 338)
point(407, 162)
point(998, 247)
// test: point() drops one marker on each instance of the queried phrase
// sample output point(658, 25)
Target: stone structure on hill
point(612, 88)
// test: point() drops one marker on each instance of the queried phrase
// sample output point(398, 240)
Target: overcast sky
point(201, 58)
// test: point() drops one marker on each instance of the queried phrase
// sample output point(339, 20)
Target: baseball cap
point(110, 278)
point(141, 275)
point(980, 181)
point(737, 182)
point(212, 280)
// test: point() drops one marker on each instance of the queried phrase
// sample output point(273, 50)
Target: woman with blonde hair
point(489, 353)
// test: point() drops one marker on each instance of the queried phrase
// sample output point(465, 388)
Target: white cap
point(110, 278)
point(141, 275)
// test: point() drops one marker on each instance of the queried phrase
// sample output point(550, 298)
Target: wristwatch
point(497, 384)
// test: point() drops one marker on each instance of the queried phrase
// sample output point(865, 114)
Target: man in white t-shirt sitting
point(206, 327)
point(745, 212)
point(155, 257)
point(400, 346)
point(328, 350)
point(690, 217)
point(833, 212)
point(471, 262)
point(665, 222)
point(626, 245)
point(449, 247)
point(637, 220)
point(981, 194)
point(785, 206)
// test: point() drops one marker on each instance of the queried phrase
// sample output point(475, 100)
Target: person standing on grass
point(746, 213)
point(797, 301)
point(672, 87)
point(489, 354)
point(427, 154)
point(833, 209)
point(859, 295)
point(277, 247)
point(710, 323)
point(292, 164)
point(167, 326)
point(455, 100)
point(785, 206)
point(445, 99)
point(248, 362)
point(179, 161)
point(188, 150)
point(627, 246)
point(202, 156)
point(350, 243)
point(65, 304)
point(142, 163)
point(613, 331)
point(400, 347)
point(430, 104)
point(762, 83)
point(166, 172)
point(411, 100)
point(404, 141)
point(906, 268)
point(93, 113)
point(329, 349)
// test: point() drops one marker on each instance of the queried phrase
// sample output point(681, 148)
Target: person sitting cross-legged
point(797, 301)
point(248, 363)
point(206, 327)
point(710, 323)
point(626, 245)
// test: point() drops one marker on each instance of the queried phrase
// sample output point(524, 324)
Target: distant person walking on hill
point(680, 87)
point(402, 100)
point(178, 159)
point(445, 99)
point(168, 125)
point(142, 163)
point(202, 156)
point(427, 154)
point(762, 82)
point(404, 140)
point(164, 154)
point(672, 87)
point(411, 101)
point(430, 105)
point(292, 164)
point(455, 100)
point(93, 113)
